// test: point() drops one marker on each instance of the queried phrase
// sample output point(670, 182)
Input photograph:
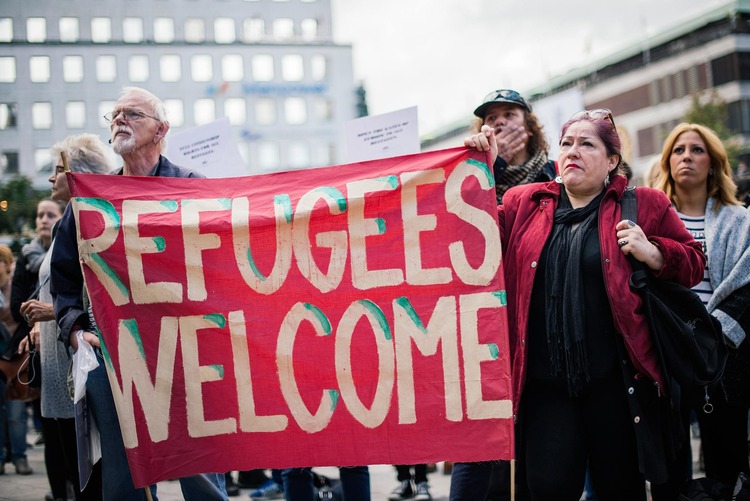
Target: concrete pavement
point(34, 487)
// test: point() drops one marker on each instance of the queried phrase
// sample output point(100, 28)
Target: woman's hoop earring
point(606, 181)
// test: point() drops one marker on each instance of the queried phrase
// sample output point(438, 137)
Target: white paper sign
point(381, 136)
point(209, 149)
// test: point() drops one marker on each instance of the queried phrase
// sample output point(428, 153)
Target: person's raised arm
point(484, 140)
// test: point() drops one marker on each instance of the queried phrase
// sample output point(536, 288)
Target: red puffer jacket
point(526, 219)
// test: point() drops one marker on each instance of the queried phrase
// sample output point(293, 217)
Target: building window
point(8, 115)
point(6, 29)
point(39, 69)
point(679, 84)
point(265, 111)
point(138, 68)
point(75, 114)
point(101, 30)
point(268, 155)
point(318, 67)
point(323, 154)
point(253, 29)
point(236, 110)
point(224, 30)
point(263, 68)
point(9, 162)
point(41, 115)
point(295, 110)
point(106, 68)
point(132, 30)
point(292, 67)
point(163, 30)
point(667, 92)
point(691, 75)
point(36, 29)
point(175, 112)
point(283, 29)
point(7, 69)
point(309, 29)
point(195, 30)
point(298, 155)
point(743, 65)
point(323, 109)
point(244, 149)
point(739, 116)
point(73, 68)
point(43, 160)
point(69, 29)
point(232, 68)
point(724, 69)
point(104, 108)
point(201, 68)
point(169, 68)
point(204, 111)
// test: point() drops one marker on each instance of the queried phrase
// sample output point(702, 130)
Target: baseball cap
point(501, 96)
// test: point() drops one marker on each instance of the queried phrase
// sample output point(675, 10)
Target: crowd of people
point(581, 354)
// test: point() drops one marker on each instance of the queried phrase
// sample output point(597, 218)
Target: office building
point(270, 66)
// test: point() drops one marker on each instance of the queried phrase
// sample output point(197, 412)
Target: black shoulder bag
point(687, 338)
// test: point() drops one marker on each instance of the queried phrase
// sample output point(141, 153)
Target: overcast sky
point(445, 56)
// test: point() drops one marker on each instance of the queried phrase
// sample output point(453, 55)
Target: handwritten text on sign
point(250, 322)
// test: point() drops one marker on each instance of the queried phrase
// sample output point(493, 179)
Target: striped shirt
point(697, 227)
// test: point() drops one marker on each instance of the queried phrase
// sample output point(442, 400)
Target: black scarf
point(565, 315)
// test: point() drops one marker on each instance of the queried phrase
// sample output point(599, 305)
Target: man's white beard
point(126, 145)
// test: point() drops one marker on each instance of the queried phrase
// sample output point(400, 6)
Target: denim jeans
point(298, 484)
point(117, 481)
point(14, 412)
point(470, 481)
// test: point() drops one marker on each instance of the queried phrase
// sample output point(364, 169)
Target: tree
point(18, 201)
point(361, 100)
point(712, 112)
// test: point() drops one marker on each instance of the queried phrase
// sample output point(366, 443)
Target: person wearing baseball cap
point(522, 147)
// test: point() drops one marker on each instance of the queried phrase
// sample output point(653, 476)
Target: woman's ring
point(622, 241)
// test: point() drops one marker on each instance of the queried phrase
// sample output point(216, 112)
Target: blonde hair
point(85, 153)
point(6, 255)
point(720, 185)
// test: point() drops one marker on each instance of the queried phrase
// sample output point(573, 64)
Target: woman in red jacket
point(574, 322)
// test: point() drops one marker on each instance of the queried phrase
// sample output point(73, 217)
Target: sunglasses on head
point(503, 93)
point(598, 114)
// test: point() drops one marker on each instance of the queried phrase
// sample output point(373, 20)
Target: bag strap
point(629, 210)
point(629, 205)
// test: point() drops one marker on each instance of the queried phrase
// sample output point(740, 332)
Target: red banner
point(340, 316)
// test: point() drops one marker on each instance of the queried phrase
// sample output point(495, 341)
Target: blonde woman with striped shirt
point(696, 175)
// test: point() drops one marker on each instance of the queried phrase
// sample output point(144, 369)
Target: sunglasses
point(598, 114)
point(503, 93)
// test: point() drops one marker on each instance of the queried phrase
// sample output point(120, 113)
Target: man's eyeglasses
point(598, 114)
point(128, 115)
